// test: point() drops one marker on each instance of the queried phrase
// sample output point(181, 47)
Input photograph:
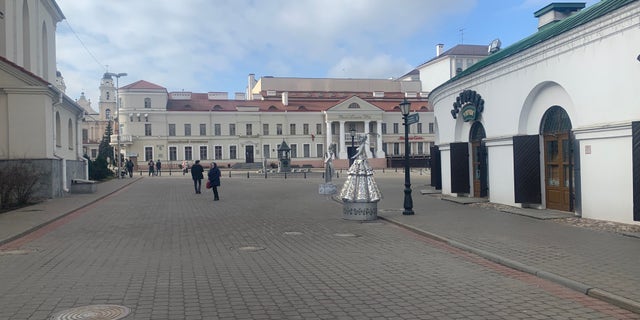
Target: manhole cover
point(93, 312)
point(346, 235)
point(293, 233)
point(251, 248)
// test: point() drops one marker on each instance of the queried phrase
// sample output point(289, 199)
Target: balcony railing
point(126, 138)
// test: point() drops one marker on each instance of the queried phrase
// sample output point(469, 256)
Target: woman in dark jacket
point(214, 179)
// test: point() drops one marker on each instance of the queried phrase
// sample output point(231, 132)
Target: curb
point(599, 294)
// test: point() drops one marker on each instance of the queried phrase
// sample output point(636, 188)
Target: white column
point(329, 137)
point(343, 147)
point(379, 152)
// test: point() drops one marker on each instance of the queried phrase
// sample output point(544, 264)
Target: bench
point(83, 186)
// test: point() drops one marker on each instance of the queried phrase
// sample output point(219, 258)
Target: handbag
point(208, 185)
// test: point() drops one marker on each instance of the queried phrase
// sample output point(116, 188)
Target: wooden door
point(479, 164)
point(557, 162)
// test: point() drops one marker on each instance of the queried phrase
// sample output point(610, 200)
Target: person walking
point(151, 166)
point(197, 175)
point(214, 179)
point(129, 166)
point(158, 167)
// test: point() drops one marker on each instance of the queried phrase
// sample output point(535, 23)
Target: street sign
point(413, 118)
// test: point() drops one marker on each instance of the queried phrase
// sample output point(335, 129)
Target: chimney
point(555, 12)
point(439, 47)
point(285, 98)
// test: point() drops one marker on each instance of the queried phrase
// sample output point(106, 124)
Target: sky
point(213, 45)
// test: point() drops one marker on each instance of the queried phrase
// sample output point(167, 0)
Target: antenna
point(461, 30)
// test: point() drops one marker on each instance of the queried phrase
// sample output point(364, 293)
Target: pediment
point(354, 105)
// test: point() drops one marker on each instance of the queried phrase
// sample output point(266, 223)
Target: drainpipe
point(64, 161)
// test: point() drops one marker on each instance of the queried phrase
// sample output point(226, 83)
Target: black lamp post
point(352, 131)
point(405, 107)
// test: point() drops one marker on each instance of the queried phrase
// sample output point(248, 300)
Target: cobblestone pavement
point(267, 250)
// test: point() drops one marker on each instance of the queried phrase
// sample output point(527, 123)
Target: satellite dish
point(494, 46)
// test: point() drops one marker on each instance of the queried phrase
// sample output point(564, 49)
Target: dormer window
point(354, 106)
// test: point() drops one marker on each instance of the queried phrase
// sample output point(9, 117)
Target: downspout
point(64, 161)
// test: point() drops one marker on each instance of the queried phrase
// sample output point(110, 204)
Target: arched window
point(147, 103)
point(477, 132)
point(107, 113)
point(107, 95)
point(26, 36)
point(70, 134)
point(58, 130)
point(217, 107)
point(302, 108)
point(555, 120)
point(273, 108)
point(354, 106)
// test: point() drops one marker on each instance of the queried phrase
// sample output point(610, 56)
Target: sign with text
point(413, 118)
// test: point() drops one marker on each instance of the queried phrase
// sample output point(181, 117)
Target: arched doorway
point(479, 160)
point(558, 159)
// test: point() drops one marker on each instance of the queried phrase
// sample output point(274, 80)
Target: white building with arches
point(40, 125)
point(552, 121)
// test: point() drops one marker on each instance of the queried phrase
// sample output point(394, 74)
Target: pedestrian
point(158, 167)
point(214, 180)
point(197, 175)
point(151, 167)
point(129, 166)
point(184, 167)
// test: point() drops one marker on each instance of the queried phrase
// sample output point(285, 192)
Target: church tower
point(107, 102)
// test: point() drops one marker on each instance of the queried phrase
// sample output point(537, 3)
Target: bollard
point(229, 173)
point(382, 170)
point(265, 174)
point(285, 176)
point(396, 170)
point(247, 174)
point(305, 175)
point(323, 175)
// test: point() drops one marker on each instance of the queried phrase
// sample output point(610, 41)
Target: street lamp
point(118, 75)
point(352, 131)
point(405, 107)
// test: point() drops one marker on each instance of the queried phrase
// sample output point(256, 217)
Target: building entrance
point(558, 159)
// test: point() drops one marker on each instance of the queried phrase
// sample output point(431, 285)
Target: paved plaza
point(276, 249)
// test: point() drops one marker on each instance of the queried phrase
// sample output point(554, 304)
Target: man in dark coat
point(158, 167)
point(197, 175)
point(214, 180)
point(129, 166)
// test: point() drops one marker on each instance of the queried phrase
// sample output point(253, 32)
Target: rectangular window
point(173, 153)
point(216, 129)
point(218, 152)
point(383, 127)
point(305, 129)
point(249, 129)
point(148, 153)
point(203, 129)
point(265, 129)
point(172, 129)
point(319, 150)
point(396, 128)
point(420, 148)
point(188, 153)
point(187, 129)
point(233, 152)
point(294, 150)
point(431, 129)
point(94, 153)
point(232, 129)
point(279, 129)
point(85, 135)
point(306, 150)
point(203, 153)
point(292, 129)
point(419, 127)
point(318, 128)
point(396, 148)
point(384, 148)
point(266, 151)
point(147, 129)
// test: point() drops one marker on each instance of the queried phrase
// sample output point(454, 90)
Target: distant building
point(40, 124)
point(309, 114)
point(552, 120)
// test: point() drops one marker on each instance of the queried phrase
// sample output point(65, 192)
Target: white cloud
point(201, 45)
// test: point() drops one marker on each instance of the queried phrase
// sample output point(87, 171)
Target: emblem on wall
point(469, 104)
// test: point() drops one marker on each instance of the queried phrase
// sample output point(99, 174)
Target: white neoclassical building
point(308, 114)
point(551, 121)
point(40, 124)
